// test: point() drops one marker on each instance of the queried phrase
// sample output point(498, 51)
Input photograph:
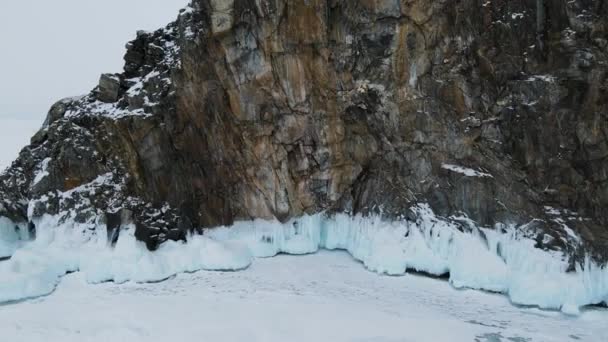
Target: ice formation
point(59, 248)
point(498, 260)
point(11, 237)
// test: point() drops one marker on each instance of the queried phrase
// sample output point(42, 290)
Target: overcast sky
point(51, 49)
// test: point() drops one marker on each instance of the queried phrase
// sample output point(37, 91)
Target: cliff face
point(497, 110)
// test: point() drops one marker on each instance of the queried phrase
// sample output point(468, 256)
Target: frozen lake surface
point(321, 297)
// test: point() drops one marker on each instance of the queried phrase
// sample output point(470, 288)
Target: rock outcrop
point(495, 110)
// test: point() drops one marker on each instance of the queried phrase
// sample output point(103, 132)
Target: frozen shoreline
point(482, 259)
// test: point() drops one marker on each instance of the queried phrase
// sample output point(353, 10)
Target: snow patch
point(544, 78)
point(186, 10)
point(465, 171)
point(111, 110)
point(413, 75)
point(42, 171)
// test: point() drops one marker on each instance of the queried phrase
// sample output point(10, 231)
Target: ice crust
point(501, 261)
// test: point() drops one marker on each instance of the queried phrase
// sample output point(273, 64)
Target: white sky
point(51, 49)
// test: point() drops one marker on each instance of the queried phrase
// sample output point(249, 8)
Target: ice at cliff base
point(485, 259)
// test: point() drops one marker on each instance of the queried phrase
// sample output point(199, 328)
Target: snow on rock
point(42, 172)
point(465, 171)
point(558, 216)
point(129, 260)
point(498, 260)
point(543, 78)
point(147, 82)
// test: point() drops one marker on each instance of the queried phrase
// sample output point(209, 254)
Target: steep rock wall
point(243, 109)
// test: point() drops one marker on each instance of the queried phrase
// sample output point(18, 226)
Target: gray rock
point(109, 88)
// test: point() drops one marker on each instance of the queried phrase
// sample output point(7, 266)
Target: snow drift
point(498, 260)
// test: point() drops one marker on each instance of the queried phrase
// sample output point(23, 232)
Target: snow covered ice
point(320, 297)
point(465, 171)
point(251, 299)
point(483, 259)
point(500, 262)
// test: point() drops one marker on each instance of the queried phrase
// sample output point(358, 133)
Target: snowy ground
point(322, 297)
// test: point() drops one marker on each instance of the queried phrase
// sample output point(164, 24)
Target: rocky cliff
point(494, 110)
